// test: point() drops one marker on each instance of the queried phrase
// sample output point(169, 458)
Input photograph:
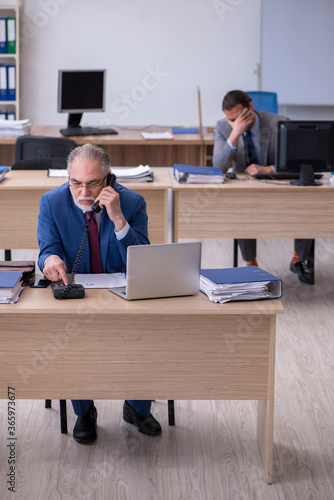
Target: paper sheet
point(104, 280)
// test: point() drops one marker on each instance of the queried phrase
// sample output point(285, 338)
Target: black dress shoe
point(85, 427)
point(147, 425)
point(304, 273)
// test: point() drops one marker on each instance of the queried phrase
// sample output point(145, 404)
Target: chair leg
point(171, 414)
point(62, 412)
point(63, 416)
point(235, 253)
point(311, 258)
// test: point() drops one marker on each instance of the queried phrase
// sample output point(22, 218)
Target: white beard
point(84, 208)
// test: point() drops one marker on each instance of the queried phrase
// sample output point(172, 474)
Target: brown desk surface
point(126, 135)
point(250, 208)
point(21, 191)
point(103, 347)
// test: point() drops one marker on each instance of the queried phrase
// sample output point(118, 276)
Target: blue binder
point(11, 82)
point(185, 130)
point(8, 279)
point(181, 172)
point(242, 275)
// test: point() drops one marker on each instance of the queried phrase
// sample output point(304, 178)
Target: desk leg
point(174, 216)
point(265, 411)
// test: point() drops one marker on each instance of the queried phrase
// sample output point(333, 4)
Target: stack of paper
point(197, 175)
point(136, 174)
point(157, 135)
point(239, 283)
point(14, 127)
point(3, 171)
point(124, 174)
point(57, 172)
point(103, 280)
point(10, 286)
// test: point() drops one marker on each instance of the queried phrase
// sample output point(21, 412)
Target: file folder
point(3, 83)
point(3, 36)
point(193, 174)
point(240, 283)
point(11, 35)
point(11, 82)
point(185, 130)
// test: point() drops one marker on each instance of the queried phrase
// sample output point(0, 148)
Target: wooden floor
point(212, 452)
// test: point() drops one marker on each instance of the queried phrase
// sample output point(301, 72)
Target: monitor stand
point(306, 177)
point(75, 129)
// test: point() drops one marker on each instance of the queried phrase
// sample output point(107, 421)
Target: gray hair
point(91, 152)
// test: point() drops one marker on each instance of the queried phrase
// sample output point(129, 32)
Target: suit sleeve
point(138, 230)
point(47, 234)
point(223, 154)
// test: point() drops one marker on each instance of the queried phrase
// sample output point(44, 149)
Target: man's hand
point(243, 122)
point(109, 198)
point(254, 169)
point(55, 269)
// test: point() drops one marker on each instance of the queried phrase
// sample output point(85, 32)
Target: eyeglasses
point(89, 185)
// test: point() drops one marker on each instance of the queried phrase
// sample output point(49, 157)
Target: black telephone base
point(61, 291)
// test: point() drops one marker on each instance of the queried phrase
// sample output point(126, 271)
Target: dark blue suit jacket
point(61, 225)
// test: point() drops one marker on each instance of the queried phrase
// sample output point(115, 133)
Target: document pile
point(57, 172)
point(239, 283)
point(10, 286)
point(123, 174)
point(134, 174)
point(14, 127)
point(103, 280)
point(3, 172)
point(157, 135)
point(197, 175)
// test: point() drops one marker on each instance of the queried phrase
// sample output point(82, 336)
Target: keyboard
point(283, 176)
point(68, 132)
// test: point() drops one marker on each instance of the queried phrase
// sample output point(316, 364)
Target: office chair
point(30, 147)
point(263, 101)
point(40, 164)
point(63, 413)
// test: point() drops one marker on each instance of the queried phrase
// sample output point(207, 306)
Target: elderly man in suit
point(246, 141)
point(121, 222)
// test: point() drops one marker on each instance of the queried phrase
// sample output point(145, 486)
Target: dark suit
point(60, 228)
point(225, 157)
point(61, 224)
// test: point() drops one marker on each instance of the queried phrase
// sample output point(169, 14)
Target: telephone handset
point(111, 179)
point(73, 291)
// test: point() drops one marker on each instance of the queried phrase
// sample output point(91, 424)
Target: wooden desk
point(248, 208)
point(103, 347)
point(19, 205)
point(127, 148)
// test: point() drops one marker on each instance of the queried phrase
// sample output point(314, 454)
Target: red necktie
point(95, 256)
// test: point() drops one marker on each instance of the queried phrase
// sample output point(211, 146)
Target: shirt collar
point(256, 127)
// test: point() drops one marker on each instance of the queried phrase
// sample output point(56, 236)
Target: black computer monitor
point(80, 91)
point(305, 147)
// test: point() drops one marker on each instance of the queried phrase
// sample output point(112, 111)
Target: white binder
point(3, 83)
point(3, 36)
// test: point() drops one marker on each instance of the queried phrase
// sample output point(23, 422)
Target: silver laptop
point(166, 270)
